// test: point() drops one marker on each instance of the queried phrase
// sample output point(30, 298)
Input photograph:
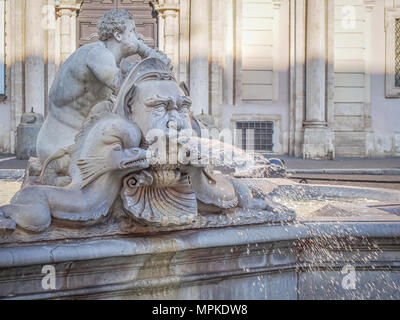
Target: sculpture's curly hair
point(113, 20)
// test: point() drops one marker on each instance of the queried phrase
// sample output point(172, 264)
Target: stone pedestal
point(318, 143)
point(26, 141)
point(27, 133)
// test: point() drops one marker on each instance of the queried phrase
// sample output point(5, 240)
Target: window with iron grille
point(256, 135)
point(392, 44)
point(397, 54)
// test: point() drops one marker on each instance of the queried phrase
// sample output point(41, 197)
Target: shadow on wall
point(371, 128)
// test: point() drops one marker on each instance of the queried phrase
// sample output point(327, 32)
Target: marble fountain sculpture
point(124, 202)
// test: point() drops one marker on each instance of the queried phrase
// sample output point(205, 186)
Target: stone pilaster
point(168, 13)
point(316, 59)
point(184, 40)
point(369, 6)
point(297, 76)
point(66, 28)
point(217, 32)
point(34, 57)
point(276, 4)
point(317, 136)
point(369, 136)
point(228, 52)
point(199, 55)
point(16, 44)
point(50, 49)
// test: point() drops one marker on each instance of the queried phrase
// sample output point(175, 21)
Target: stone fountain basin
point(322, 202)
point(304, 259)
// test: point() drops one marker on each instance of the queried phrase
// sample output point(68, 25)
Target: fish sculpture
point(106, 150)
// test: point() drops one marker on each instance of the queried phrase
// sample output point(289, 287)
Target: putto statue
point(89, 76)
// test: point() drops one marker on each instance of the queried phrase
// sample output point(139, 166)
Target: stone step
point(353, 139)
point(350, 144)
point(350, 152)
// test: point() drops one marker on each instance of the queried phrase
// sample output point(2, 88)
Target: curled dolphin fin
point(91, 169)
point(56, 155)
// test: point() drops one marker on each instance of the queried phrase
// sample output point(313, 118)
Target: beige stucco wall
point(39, 36)
point(385, 113)
point(233, 35)
point(6, 112)
point(274, 108)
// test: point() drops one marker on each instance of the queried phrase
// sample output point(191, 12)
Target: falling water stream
point(321, 252)
point(236, 162)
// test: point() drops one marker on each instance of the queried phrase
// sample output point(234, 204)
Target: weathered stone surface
point(122, 214)
point(297, 261)
point(149, 99)
point(106, 149)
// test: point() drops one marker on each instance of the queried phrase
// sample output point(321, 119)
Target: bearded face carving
point(152, 98)
point(169, 192)
point(161, 105)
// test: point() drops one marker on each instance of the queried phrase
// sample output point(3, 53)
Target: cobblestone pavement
point(386, 182)
point(8, 161)
point(11, 162)
point(340, 163)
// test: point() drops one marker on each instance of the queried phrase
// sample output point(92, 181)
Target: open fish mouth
point(141, 163)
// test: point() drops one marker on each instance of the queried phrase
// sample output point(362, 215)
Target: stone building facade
point(310, 78)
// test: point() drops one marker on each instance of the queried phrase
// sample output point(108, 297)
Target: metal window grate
point(256, 135)
point(397, 53)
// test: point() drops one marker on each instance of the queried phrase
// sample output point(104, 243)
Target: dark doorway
point(92, 10)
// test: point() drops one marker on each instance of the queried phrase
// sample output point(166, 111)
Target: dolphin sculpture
point(105, 151)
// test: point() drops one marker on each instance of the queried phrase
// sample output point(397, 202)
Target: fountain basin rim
point(79, 250)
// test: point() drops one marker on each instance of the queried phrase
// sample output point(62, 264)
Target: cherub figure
point(90, 76)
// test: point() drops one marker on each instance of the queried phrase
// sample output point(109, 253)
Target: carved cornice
point(277, 4)
point(67, 7)
point(369, 5)
point(165, 7)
